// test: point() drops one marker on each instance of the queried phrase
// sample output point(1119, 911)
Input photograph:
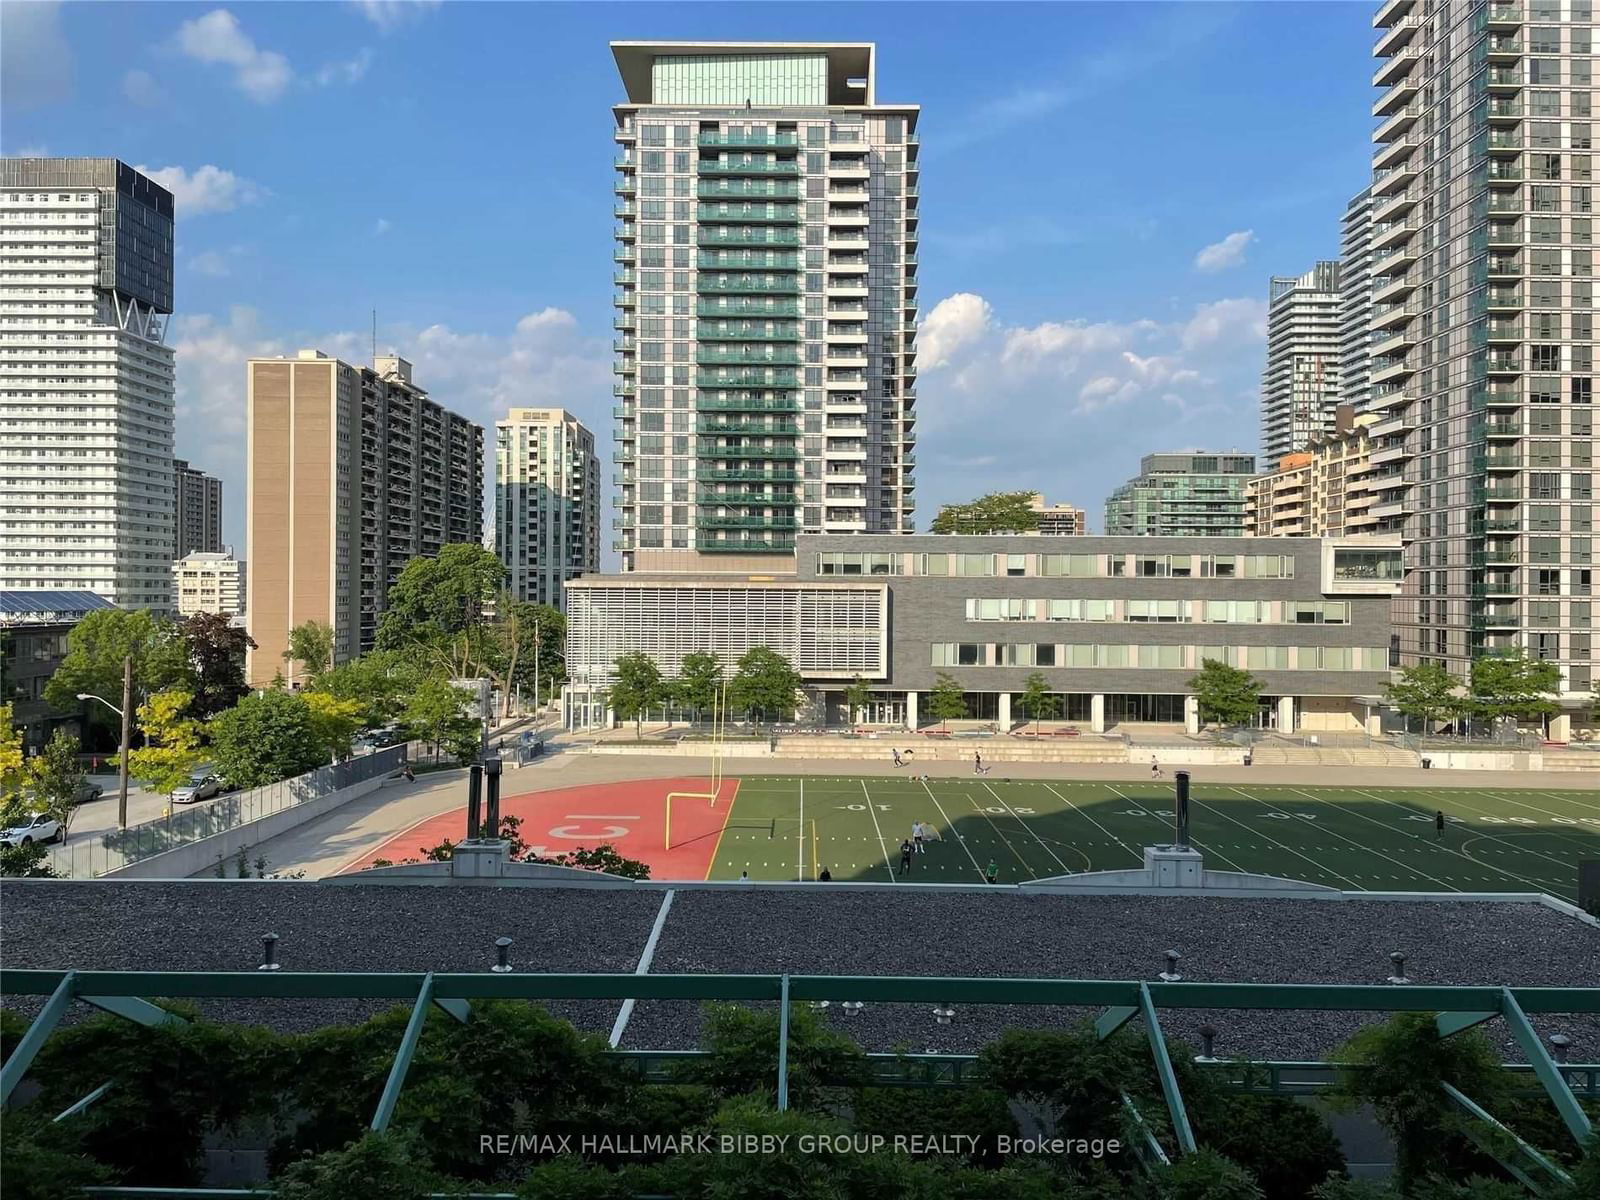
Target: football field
point(1353, 838)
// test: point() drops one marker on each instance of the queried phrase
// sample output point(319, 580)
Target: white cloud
point(351, 70)
point(389, 15)
point(1234, 322)
point(217, 37)
point(210, 262)
point(36, 63)
point(208, 189)
point(141, 88)
point(1229, 252)
point(953, 323)
point(381, 227)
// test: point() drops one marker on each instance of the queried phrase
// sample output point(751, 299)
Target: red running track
point(630, 816)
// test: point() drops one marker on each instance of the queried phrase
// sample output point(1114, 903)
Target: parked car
point(199, 787)
point(380, 739)
point(86, 791)
point(40, 829)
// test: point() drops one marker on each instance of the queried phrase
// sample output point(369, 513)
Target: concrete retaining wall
point(202, 856)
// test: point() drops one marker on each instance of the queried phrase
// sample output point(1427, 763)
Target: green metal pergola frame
point(124, 993)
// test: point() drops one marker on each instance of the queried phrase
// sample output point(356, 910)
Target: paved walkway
point(326, 846)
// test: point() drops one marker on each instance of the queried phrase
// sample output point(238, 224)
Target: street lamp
point(123, 712)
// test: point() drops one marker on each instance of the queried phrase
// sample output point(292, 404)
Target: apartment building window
point(858, 564)
point(1322, 612)
point(1157, 610)
point(1236, 612)
point(958, 654)
point(1078, 610)
point(1002, 610)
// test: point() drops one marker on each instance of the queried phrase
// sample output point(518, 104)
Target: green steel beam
point(76, 1108)
point(1113, 1019)
point(1169, 1078)
point(49, 1016)
point(1151, 1145)
point(403, 1056)
point(459, 1009)
point(783, 1047)
point(134, 1009)
point(1454, 1022)
point(1490, 1145)
point(1555, 1085)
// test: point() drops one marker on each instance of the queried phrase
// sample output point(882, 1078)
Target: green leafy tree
point(764, 681)
point(26, 862)
point(310, 645)
point(437, 712)
point(699, 683)
point(380, 681)
point(93, 662)
point(1513, 686)
point(857, 696)
point(54, 776)
point(536, 634)
point(998, 512)
point(11, 759)
point(216, 649)
point(444, 603)
point(1427, 692)
point(334, 723)
point(1037, 700)
point(265, 738)
point(637, 687)
point(1227, 695)
point(948, 700)
point(602, 858)
point(172, 742)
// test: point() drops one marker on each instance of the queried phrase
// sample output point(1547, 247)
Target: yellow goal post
point(719, 726)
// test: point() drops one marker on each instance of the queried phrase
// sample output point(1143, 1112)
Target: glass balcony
point(773, 429)
point(772, 166)
point(1501, 396)
point(733, 260)
point(1503, 299)
point(749, 139)
point(1505, 140)
point(737, 475)
point(715, 189)
point(748, 308)
point(745, 546)
point(773, 213)
point(1503, 429)
point(718, 236)
point(774, 499)
point(1504, 173)
point(743, 332)
point(748, 356)
point(746, 404)
point(712, 521)
point(1502, 49)
point(1504, 78)
point(775, 378)
point(1505, 108)
point(749, 284)
point(748, 452)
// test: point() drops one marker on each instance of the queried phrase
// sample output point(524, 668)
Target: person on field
point(905, 857)
point(1438, 824)
point(826, 876)
point(898, 761)
point(991, 873)
point(1155, 768)
point(916, 836)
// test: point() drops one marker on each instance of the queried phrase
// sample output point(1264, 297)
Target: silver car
point(200, 787)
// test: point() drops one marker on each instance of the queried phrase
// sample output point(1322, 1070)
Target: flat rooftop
point(847, 62)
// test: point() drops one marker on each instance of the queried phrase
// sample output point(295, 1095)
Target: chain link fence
point(116, 848)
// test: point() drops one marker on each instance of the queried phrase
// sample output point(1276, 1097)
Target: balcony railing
point(748, 452)
point(745, 546)
point(714, 189)
point(775, 499)
point(749, 284)
point(734, 139)
point(748, 308)
point(757, 428)
point(774, 213)
point(736, 475)
point(728, 236)
point(747, 404)
point(748, 379)
point(709, 167)
point(783, 333)
point(730, 260)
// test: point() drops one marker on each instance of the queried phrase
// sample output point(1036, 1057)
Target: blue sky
point(1106, 190)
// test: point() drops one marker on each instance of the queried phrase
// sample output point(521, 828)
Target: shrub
point(1206, 1175)
point(377, 1166)
point(743, 1048)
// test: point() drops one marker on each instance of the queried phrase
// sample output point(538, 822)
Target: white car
point(200, 787)
point(40, 829)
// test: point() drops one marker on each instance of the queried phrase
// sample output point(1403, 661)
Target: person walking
point(1155, 768)
point(991, 873)
point(977, 763)
point(826, 876)
point(916, 836)
point(1438, 824)
point(905, 857)
point(898, 761)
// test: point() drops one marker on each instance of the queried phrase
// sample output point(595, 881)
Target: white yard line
point(625, 1014)
point(1194, 841)
point(1004, 840)
point(1478, 833)
point(1029, 828)
point(1268, 837)
point(800, 869)
point(950, 825)
point(1136, 853)
point(882, 845)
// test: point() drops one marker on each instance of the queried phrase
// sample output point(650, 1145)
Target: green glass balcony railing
point(772, 499)
point(776, 214)
point(743, 475)
point(739, 331)
point(735, 139)
point(733, 189)
point(746, 546)
point(748, 452)
point(776, 377)
point(735, 260)
point(756, 428)
point(748, 284)
point(745, 403)
point(771, 166)
point(730, 236)
point(708, 521)
point(748, 355)
point(748, 308)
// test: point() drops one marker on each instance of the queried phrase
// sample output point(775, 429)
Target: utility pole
point(127, 714)
point(538, 699)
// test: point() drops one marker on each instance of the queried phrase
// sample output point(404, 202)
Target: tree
point(437, 712)
point(172, 742)
point(947, 701)
point(1426, 691)
point(11, 760)
point(310, 645)
point(48, 784)
point(216, 649)
point(1227, 695)
point(93, 662)
point(764, 681)
point(334, 723)
point(1037, 699)
point(438, 599)
point(380, 681)
point(857, 695)
point(998, 512)
point(636, 688)
point(539, 634)
point(699, 683)
point(265, 738)
point(1513, 685)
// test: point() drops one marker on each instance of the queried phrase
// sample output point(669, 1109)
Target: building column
point(1191, 714)
point(911, 711)
point(1285, 714)
point(1374, 722)
point(1097, 713)
point(1561, 728)
point(1004, 717)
